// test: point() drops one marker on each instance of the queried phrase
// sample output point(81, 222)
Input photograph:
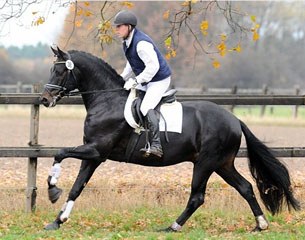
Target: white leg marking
point(176, 227)
point(262, 222)
point(55, 173)
point(67, 210)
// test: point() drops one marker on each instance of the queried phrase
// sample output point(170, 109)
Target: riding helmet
point(125, 17)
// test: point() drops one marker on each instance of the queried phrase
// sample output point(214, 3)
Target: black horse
point(210, 139)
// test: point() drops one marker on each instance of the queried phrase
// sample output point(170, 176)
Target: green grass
point(144, 222)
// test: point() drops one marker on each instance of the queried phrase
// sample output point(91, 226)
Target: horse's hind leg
point(201, 174)
point(86, 171)
point(232, 177)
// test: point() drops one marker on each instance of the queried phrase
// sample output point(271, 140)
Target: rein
point(75, 93)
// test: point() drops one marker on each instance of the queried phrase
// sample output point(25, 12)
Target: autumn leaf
point(79, 23)
point(222, 49)
point(80, 12)
point(127, 4)
point(87, 3)
point(166, 15)
point(216, 64)
point(185, 3)
point(223, 37)
point(88, 13)
point(168, 55)
point(253, 18)
point(255, 36)
point(237, 48)
point(168, 42)
point(173, 53)
point(204, 25)
point(39, 21)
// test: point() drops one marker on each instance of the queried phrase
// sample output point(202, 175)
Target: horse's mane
point(99, 64)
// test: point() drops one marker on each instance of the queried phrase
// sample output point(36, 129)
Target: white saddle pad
point(172, 113)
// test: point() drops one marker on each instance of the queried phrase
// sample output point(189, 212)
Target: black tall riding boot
point(154, 134)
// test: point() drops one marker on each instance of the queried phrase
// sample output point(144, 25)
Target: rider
point(152, 73)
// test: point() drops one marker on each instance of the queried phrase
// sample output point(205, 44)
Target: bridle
point(63, 91)
point(70, 73)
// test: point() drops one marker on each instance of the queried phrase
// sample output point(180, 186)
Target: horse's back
point(213, 123)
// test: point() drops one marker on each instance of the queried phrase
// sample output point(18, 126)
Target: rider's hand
point(130, 83)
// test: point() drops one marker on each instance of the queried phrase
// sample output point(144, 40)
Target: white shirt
point(149, 57)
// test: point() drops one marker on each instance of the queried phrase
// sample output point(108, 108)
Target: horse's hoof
point(54, 194)
point(167, 230)
point(52, 226)
point(257, 229)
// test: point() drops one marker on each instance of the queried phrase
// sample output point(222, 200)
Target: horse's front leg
point(85, 152)
point(86, 171)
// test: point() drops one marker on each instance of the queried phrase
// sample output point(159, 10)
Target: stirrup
point(146, 150)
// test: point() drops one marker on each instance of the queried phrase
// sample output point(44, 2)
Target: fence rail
point(26, 99)
point(34, 151)
point(47, 152)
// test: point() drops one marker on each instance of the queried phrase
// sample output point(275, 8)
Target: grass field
point(143, 222)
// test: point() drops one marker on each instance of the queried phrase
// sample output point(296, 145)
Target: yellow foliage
point(39, 21)
point(88, 13)
point(168, 42)
point(237, 48)
point(104, 26)
point(173, 53)
point(255, 36)
point(222, 48)
point(253, 18)
point(168, 55)
point(127, 4)
point(87, 3)
point(80, 12)
point(186, 3)
point(105, 38)
point(216, 64)
point(166, 15)
point(79, 23)
point(223, 37)
point(204, 25)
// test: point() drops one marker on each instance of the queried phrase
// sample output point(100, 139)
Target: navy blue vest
point(137, 64)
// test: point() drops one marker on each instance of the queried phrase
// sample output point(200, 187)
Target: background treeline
point(276, 59)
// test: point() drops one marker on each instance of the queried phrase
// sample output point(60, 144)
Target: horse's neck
point(98, 77)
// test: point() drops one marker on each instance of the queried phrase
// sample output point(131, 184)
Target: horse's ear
point(54, 51)
point(62, 54)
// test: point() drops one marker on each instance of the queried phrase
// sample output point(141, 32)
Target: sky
point(21, 31)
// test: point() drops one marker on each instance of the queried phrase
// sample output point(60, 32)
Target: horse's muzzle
point(48, 101)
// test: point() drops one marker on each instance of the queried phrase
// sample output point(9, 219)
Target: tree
point(192, 18)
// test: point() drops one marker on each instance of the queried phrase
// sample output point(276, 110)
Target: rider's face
point(122, 30)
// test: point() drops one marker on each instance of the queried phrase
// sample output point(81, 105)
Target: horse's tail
point(271, 176)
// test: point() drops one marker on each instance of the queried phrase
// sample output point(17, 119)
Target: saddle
point(168, 97)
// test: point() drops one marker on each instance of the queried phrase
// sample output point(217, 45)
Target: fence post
point(296, 107)
point(233, 91)
point(265, 92)
point(32, 162)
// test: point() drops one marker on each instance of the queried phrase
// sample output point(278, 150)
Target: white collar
point(129, 39)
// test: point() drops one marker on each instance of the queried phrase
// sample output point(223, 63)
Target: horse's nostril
point(44, 101)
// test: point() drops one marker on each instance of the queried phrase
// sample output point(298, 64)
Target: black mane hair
point(99, 66)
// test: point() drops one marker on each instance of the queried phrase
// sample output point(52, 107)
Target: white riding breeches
point(154, 92)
